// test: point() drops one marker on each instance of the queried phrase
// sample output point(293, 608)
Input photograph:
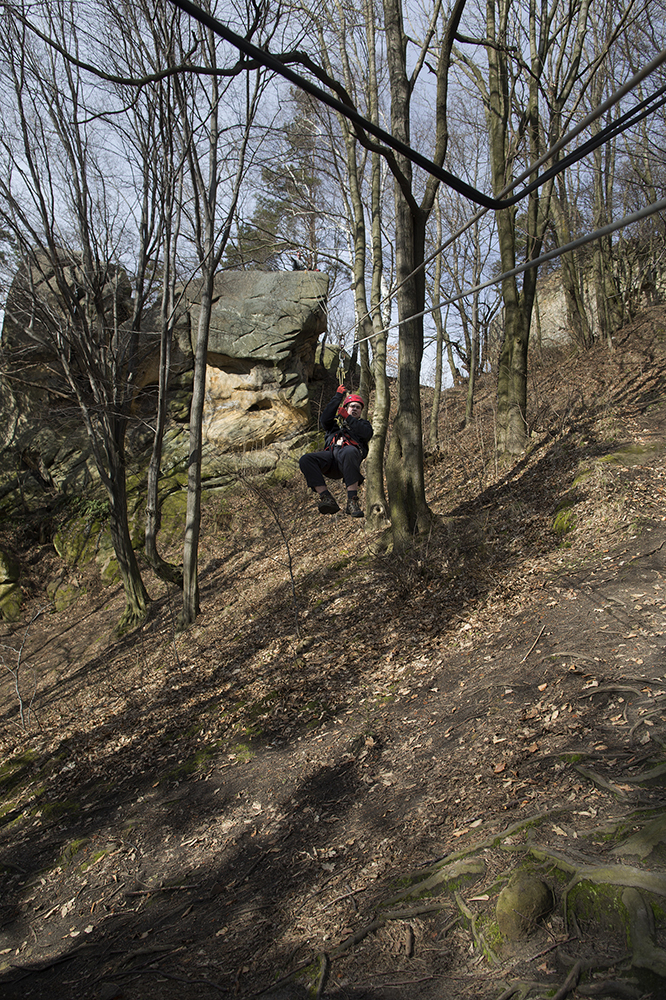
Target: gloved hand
point(342, 413)
point(341, 389)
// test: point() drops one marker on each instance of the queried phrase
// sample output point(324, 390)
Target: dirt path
point(203, 816)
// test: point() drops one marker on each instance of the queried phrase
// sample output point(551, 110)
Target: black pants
point(338, 463)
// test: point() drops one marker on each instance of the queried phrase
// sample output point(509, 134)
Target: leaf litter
point(205, 814)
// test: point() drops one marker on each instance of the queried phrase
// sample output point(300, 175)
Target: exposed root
point(619, 875)
point(646, 953)
point(611, 987)
point(570, 983)
point(520, 990)
point(602, 783)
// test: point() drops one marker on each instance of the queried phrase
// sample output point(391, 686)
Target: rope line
point(269, 61)
point(628, 220)
point(595, 114)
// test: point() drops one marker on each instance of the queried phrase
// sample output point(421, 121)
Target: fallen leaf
point(498, 768)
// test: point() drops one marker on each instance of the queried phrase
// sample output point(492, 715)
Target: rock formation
point(261, 356)
point(261, 362)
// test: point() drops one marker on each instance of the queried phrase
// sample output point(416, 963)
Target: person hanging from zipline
point(346, 445)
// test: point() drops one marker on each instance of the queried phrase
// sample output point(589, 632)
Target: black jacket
point(355, 430)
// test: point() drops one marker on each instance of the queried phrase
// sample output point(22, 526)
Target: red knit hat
point(354, 399)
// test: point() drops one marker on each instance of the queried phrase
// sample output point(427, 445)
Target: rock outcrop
point(261, 356)
point(261, 353)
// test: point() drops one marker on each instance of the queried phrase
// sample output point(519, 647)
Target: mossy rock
point(63, 595)
point(70, 851)
point(10, 601)
point(598, 904)
point(179, 406)
point(582, 477)
point(16, 771)
point(9, 569)
point(77, 541)
point(630, 455)
point(521, 904)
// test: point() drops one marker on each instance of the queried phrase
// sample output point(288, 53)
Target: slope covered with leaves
point(341, 765)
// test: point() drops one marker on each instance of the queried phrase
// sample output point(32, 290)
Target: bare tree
point(71, 297)
point(216, 173)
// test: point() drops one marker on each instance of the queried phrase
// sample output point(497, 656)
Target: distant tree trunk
point(572, 279)
point(473, 362)
point(433, 431)
point(193, 517)
point(165, 570)
point(376, 505)
point(136, 595)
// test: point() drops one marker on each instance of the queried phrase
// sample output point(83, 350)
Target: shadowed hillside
point(327, 793)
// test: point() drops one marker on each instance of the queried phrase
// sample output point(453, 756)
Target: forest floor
point(340, 778)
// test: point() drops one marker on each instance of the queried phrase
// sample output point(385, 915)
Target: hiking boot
point(328, 505)
point(354, 508)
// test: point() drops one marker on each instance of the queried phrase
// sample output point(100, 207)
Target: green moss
point(71, 850)
point(564, 521)
point(11, 597)
point(53, 810)
point(242, 751)
point(598, 903)
point(93, 860)
point(342, 563)
point(191, 765)
point(16, 771)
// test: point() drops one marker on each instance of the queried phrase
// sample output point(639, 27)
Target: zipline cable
point(625, 121)
point(265, 58)
point(628, 220)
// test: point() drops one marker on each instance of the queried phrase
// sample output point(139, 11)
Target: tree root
point(570, 983)
point(320, 966)
point(520, 989)
point(603, 783)
point(444, 873)
point(646, 953)
point(494, 840)
point(619, 875)
point(479, 938)
point(362, 932)
point(612, 987)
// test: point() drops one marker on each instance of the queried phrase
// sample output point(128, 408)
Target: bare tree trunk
point(193, 518)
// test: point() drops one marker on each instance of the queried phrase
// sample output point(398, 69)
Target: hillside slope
point(342, 778)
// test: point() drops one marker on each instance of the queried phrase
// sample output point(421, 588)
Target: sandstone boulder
point(261, 351)
point(261, 355)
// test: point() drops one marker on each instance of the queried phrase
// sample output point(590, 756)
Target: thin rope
point(596, 113)
point(266, 59)
point(628, 220)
